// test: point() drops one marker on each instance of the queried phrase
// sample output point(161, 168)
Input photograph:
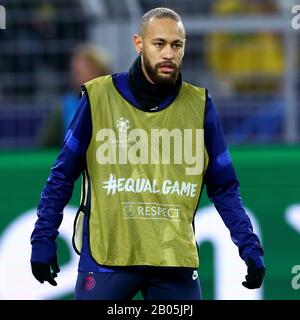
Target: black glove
point(42, 272)
point(255, 275)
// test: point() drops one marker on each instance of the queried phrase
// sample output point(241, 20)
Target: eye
point(158, 44)
point(177, 45)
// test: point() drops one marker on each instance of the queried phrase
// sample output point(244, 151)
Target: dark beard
point(152, 72)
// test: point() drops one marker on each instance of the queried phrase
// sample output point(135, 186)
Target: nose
point(168, 53)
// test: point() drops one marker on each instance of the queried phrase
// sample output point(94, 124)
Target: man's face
point(162, 50)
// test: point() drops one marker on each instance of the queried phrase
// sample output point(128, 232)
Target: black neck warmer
point(149, 95)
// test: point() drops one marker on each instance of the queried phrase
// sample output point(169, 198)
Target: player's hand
point(255, 275)
point(45, 272)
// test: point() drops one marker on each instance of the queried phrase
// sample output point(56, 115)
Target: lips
point(167, 68)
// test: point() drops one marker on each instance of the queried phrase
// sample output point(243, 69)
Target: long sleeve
point(223, 189)
point(60, 184)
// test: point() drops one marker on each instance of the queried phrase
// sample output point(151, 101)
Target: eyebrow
point(163, 40)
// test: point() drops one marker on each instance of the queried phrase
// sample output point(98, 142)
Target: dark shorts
point(162, 284)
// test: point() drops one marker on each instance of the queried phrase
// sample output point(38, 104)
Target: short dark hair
point(158, 13)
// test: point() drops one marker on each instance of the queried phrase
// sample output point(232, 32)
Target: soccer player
point(146, 143)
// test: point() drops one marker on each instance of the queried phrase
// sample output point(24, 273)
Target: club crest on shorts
point(89, 283)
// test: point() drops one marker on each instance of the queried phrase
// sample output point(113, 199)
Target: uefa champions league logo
point(123, 124)
point(2, 18)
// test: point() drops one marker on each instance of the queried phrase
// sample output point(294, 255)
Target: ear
point(138, 43)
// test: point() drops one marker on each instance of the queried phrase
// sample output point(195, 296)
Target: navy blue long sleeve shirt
point(220, 180)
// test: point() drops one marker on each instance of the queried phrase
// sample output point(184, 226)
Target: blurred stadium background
point(244, 51)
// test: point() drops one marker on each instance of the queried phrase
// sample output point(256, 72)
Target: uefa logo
point(128, 211)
